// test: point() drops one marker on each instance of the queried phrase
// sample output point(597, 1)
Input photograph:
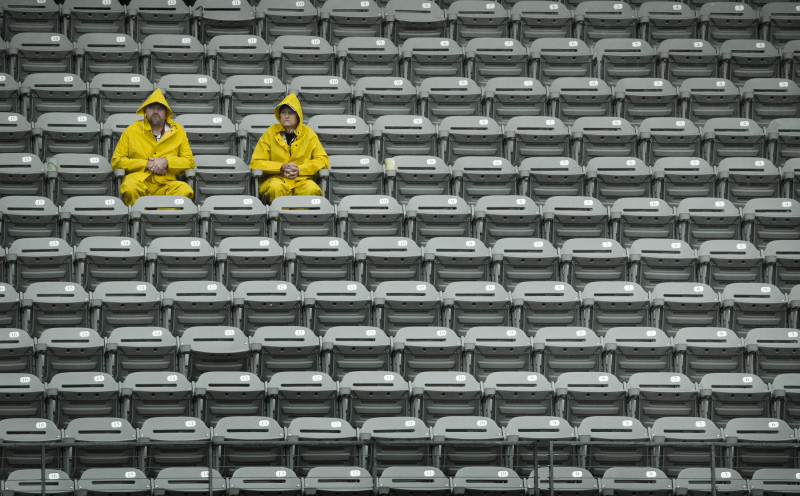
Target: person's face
point(289, 118)
point(156, 115)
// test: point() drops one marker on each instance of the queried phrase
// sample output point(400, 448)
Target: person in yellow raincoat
point(153, 152)
point(289, 153)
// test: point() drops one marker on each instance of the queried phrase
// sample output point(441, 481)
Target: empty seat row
point(634, 97)
point(341, 349)
point(362, 396)
point(615, 56)
point(399, 21)
point(410, 480)
point(308, 442)
point(376, 259)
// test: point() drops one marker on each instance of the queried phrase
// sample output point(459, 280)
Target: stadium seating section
point(557, 250)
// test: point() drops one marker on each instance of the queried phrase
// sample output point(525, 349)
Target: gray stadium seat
point(561, 56)
point(570, 98)
point(703, 219)
point(330, 303)
point(727, 396)
point(172, 54)
point(655, 261)
point(38, 433)
point(598, 19)
point(209, 348)
point(617, 59)
point(17, 133)
point(533, 438)
point(633, 479)
point(780, 264)
point(506, 97)
point(419, 19)
point(741, 179)
point(775, 452)
point(31, 260)
point(116, 433)
point(210, 134)
point(301, 394)
point(175, 481)
point(517, 260)
point(632, 350)
point(654, 395)
point(722, 262)
point(284, 348)
point(660, 21)
point(140, 349)
point(173, 449)
point(104, 53)
point(411, 175)
point(322, 95)
point(489, 349)
point(706, 97)
point(418, 349)
point(300, 216)
point(366, 56)
point(414, 481)
point(112, 93)
point(248, 258)
point(396, 442)
point(677, 178)
point(339, 481)
point(446, 96)
point(721, 21)
point(23, 174)
point(448, 259)
point(587, 260)
point(31, 52)
point(609, 178)
point(42, 92)
point(572, 480)
point(396, 136)
point(567, 349)
point(258, 303)
point(213, 18)
point(767, 99)
point(47, 305)
point(111, 481)
point(539, 304)
point(251, 94)
point(703, 350)
point(568, 217)
point(247, 479)
point(362, 216)
point(156, 216)
point(354, 348)
point(222, 393)
point(429, 216)
point(482, 450)
point(672, 458)
point(148, 17)
point(108, 258)
point(531, 21)
point(124, 303)
point(384, 259)
point(297, 55)
point(510, 394)
point(156, 394)
point(189, 303)
point(422, 57)
point(467, 304)
point(179, 258)
point(746, 305)
point(224, 216)
point(544, 176)
point(286, 17)
point(398, 304)
point(92, 216)
point(69, 350)
point(378, 96)
point(81, 175)
point(347, 18)
point(23, 393)
point(600, 457)
point(490, 56)
point(580, 395)
point(221, 175)
point(366, 394)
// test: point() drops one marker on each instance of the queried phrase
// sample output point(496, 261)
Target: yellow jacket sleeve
point(268, 155)
point(124, 159)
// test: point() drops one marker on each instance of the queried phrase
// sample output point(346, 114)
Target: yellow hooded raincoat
point(272, 152)
point(137, 144)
